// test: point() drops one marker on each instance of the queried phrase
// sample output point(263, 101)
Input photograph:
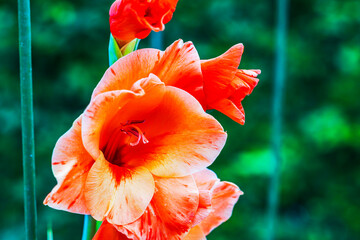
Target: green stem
point(98, 224)
point(27, 118)
point(282, 6)
point(49, 232)
point(89, 228)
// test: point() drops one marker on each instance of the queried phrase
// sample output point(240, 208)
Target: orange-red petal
point(225, 86)
point(109, 232)
point(224, 197)
point(100, 111)
point(196, 233)
point(219, 73)
point(119, 195)
point(131, 19)
point(176, 201)
point(157, 13)
point(107, 111)
point(205, 181)
point(183, 139)
point(204, 207)
point(246, 81)
point(127, 70)
point(228, 108)
point(179, 66)
point(70, 164)
point(170, 212)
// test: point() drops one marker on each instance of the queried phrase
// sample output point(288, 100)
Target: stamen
point(131, 129)
point(117, 141)
point(133, 122)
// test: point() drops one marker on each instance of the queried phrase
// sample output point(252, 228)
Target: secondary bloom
point(132, 152)
point(216, 203)
point(131, 19)
point(215, 83)
point(225, 86)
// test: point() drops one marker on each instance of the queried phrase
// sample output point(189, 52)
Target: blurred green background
point(320, 177)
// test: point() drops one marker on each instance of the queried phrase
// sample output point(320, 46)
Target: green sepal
point(130, 47)
point(114, 51)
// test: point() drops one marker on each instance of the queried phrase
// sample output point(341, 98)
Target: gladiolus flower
point(132, 152)
point(216, 203)
point(215, 83)
point(131, 19)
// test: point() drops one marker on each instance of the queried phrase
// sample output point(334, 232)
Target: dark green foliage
point(319, 192)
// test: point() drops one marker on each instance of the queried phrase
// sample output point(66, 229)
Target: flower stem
point(49, 232)
point(27, 118)
point(280, 60)
point(89, 228)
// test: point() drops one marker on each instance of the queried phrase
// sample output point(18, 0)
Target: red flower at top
point(131, 19)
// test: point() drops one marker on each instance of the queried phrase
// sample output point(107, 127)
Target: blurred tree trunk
point(156, 40)
point(279, 77)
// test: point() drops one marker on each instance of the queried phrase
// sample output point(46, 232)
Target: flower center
point(126, 134)
point(131, 129)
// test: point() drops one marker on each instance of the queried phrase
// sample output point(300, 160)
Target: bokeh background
point(319, 196)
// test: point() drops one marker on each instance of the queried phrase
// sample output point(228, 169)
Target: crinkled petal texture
point(70, 164)
point(180, 137)
point(176, 212)
point(196, 233)
point(170, 212)
point(131, 19)
point(135, 134)
point(205, 180)
point(224, 195)
point(107, 162)
point(178, 66)
point(225, 86)
point(183, 139)
point(119, 195)
point(127, 70)
point(135, 159)
point(216, 83)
